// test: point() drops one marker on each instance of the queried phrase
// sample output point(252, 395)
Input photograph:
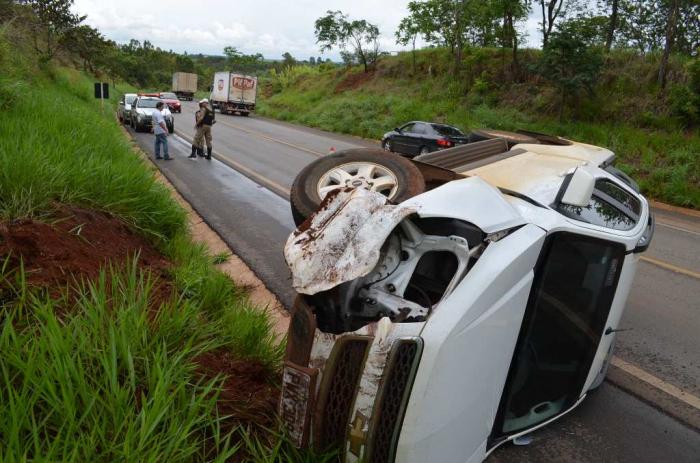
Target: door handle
point(612, 330)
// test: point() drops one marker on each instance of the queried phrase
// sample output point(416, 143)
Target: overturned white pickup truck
point(438, 326)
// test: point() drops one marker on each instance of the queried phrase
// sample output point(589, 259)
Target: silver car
point(142, 110)
point(124, 108)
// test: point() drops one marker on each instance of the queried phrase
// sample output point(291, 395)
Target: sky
point(263, 26)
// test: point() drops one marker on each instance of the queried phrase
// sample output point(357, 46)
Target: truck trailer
point(184, 85)
point(234, 93)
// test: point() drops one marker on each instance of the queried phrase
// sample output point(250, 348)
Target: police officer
point(204, 119)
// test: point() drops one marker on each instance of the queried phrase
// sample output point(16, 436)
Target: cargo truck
point(184, 85)
point(234, 93)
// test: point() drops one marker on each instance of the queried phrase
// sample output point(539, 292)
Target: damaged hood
point(342, 240)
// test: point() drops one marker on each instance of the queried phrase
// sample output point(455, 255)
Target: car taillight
point(444, 143)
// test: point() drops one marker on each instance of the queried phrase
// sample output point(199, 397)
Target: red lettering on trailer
point(244, 83)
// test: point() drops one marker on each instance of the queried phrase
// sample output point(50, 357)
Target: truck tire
point(512, 138)
point(400, 179)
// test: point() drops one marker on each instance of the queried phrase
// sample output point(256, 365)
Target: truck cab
point(441, 327)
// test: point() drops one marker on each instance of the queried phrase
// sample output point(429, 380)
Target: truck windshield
point(130, 99)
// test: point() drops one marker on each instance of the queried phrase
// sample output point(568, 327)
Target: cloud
point(270, 27)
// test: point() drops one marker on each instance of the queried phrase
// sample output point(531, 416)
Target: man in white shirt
point(160, 130)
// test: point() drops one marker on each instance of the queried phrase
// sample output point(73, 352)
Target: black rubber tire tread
point(512, 138)
point(304, 199)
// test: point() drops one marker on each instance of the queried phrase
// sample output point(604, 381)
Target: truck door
point(575, 283)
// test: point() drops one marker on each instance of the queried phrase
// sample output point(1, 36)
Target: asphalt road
point(663, 312)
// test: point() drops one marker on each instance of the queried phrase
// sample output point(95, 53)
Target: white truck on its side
point(234, 93)
point(184, 85)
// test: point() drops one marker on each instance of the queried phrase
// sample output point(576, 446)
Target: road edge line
point(670, 267)
point(660, 395)
point(251, 174)
point(677, 209)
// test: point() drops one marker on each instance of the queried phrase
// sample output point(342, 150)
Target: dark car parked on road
point(419, 137)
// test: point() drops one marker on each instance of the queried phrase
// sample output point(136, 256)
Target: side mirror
point(396, 129)
point(580, 188)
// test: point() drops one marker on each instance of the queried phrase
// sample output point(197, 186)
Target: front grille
point(341, 379)
point(390, 405)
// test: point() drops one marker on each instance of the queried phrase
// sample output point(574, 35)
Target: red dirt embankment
point(76, 244)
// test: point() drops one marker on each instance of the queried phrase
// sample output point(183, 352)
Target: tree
point(671, 26)
point(408, 32)
point(53, 19)
point(88, 44)
point(570, 63)
point(242, 62)
point(612, 26)
point(551, 10)
point(288, 60)
point(457, 24)
point(511, 11)
point(312, 61)
point(643, 26)
point(335, 30)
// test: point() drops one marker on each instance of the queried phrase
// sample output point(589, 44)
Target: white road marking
point(673, 227)
point(260, 179)
point(671, 267)
point(657, 383)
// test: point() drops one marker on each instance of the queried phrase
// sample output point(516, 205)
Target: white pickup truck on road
point(457, 301)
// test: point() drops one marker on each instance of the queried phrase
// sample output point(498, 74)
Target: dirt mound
point(248, 392)
point(353, 80)
point(75, 244)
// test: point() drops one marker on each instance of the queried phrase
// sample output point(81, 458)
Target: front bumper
point(348, 391)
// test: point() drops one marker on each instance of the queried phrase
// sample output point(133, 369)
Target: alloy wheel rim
point(367, 175)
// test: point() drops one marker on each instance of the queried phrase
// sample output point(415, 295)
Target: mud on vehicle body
point(468, 314)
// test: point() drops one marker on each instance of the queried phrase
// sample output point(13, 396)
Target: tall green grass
point(106, 381)
point(101, 374)
point(652, 147)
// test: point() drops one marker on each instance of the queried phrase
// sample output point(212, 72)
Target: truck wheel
point(245, 114)
point(512, 138)
point(373, 169)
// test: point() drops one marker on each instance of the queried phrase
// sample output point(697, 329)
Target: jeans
point(162, 138)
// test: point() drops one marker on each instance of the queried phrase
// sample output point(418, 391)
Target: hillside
point(653, 132)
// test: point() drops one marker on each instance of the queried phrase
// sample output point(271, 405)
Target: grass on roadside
point(99, 374)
